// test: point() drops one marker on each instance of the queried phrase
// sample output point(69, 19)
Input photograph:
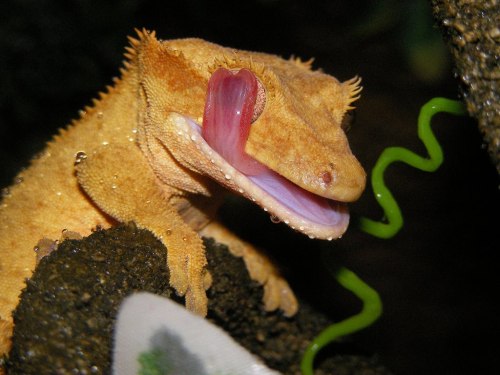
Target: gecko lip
point(315, 216)
point(231, 98)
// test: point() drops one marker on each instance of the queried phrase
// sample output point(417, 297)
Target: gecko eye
point(260, 100)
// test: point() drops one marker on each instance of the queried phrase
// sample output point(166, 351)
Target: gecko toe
point(197, 301)
point(279, 295)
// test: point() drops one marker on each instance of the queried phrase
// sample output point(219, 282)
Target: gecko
point(186, 122)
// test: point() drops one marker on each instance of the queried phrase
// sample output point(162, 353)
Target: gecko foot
point(277, 292)
point(45, 246)
point(188, 276)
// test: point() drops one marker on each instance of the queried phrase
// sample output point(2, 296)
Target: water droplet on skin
point(265, 209)
point(39, 155)
point(58, 193)
point(168, 232)
point(311, 237)
point(329, 238)
point(82, 113)
point(18, 180)
point(80, 156)
point(193, 138)
point(240, 191)
point(227, 177)
point(105, 143)
point(113, 186)
point(301, 228)
point(5, 192)
point(287, 222)
point(275, 219)
point(134, 131)
point(100, 115)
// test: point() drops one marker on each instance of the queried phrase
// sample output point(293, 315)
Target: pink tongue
point(228, 114)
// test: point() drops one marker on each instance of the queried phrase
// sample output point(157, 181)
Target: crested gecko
point(186, 121)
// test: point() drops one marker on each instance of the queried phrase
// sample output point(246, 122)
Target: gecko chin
point(229, 109)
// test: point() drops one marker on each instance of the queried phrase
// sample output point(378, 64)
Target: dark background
point(436, 278)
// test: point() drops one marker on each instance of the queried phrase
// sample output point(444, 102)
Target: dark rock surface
point(64, 323)
point(472, 31)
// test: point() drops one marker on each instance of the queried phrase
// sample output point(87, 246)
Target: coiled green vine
point(392, 223)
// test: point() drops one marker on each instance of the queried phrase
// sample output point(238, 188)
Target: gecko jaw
point(312, 215)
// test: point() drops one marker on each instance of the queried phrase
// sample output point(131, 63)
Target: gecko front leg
point(119, 181)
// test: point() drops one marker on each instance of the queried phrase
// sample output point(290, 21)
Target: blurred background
point(436, 277)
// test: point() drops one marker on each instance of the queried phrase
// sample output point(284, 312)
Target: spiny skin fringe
point(141, 34)
point(307, 64)
point(354, 86)
point(130, 54)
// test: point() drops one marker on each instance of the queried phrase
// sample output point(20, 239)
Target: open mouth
point(229, 110)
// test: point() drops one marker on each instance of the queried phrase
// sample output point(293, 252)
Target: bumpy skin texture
point(133, 156)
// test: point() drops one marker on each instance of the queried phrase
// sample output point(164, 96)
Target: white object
point(181, 343)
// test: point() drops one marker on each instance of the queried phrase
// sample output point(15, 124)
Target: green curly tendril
point(372, 309)
point(390, 155)
point(372, 304)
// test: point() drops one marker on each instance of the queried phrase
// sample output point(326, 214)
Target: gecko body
point(157, 149)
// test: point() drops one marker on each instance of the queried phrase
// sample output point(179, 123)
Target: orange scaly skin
point(132, 156)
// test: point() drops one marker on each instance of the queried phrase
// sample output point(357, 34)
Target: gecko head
point(266, 127)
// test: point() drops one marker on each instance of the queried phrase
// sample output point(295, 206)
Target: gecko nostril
point(326, 177)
